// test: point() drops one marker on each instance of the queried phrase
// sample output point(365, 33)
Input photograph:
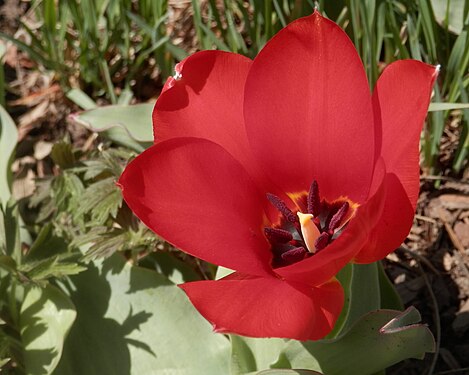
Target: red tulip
point(284, 169)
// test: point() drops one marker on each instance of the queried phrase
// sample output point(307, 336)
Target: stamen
point(294, 255)
point(322, 241)
point(314, 203)
point(337, 218)
point(276, 235)
point(282, 207)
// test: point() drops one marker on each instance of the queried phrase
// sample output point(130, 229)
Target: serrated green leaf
point(50, 267)
point(101, 200)
point(133, 321)
point(105, 242)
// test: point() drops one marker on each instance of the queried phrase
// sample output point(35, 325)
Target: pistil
point(309, 230)
point(299, 235)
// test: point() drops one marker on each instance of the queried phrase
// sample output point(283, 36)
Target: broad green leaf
point(175, 270)
point(132, 320)
point(449, 13)
point(288, 372)
point(446, 106)
point(254, 354)
point(390, 299)
point(362, 294)
point(8, 140)
point(45, 319)
point(130, 126)
point(378, 340)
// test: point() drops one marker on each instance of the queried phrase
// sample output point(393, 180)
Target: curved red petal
point(267, 307)
point(192, 193)
point(308, 111)
point(400, 104)
point(205, 100)
point(327, 262)
point(392, 227)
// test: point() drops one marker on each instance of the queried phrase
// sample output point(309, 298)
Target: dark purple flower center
point(302, 234)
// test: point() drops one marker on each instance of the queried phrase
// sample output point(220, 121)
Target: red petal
point(192, 193)
point(327, 262)
point(206, 101)
point(308, 111)
point(400, 103)
point(267, 307)
point(393, 225)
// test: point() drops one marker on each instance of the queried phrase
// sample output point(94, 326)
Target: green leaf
point(62, 154)
point(81, 99)
point(288, 372)
point(362, 294)
point(10, 240)
point(446, 106)
point(129, 126)
point(8, 140)
point(222, 272)
point(55, 266)
point(175, 270)
point(378, 340)
point(254, 354)
point(46, 317)
point(449, 14)
point(132, 320)
point(390, 299)
point(101, 200)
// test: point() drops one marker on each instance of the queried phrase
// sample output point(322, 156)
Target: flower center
point(302, 234)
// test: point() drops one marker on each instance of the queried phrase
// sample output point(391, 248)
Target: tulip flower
point(284, 169)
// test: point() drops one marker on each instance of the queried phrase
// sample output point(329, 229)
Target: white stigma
point(309, 230)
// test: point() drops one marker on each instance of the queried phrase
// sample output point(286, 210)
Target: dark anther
point(276, 235)
point(338, 217)
point(282, 207)
point(322, 241)
point(314, 203)
point(294, 255)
